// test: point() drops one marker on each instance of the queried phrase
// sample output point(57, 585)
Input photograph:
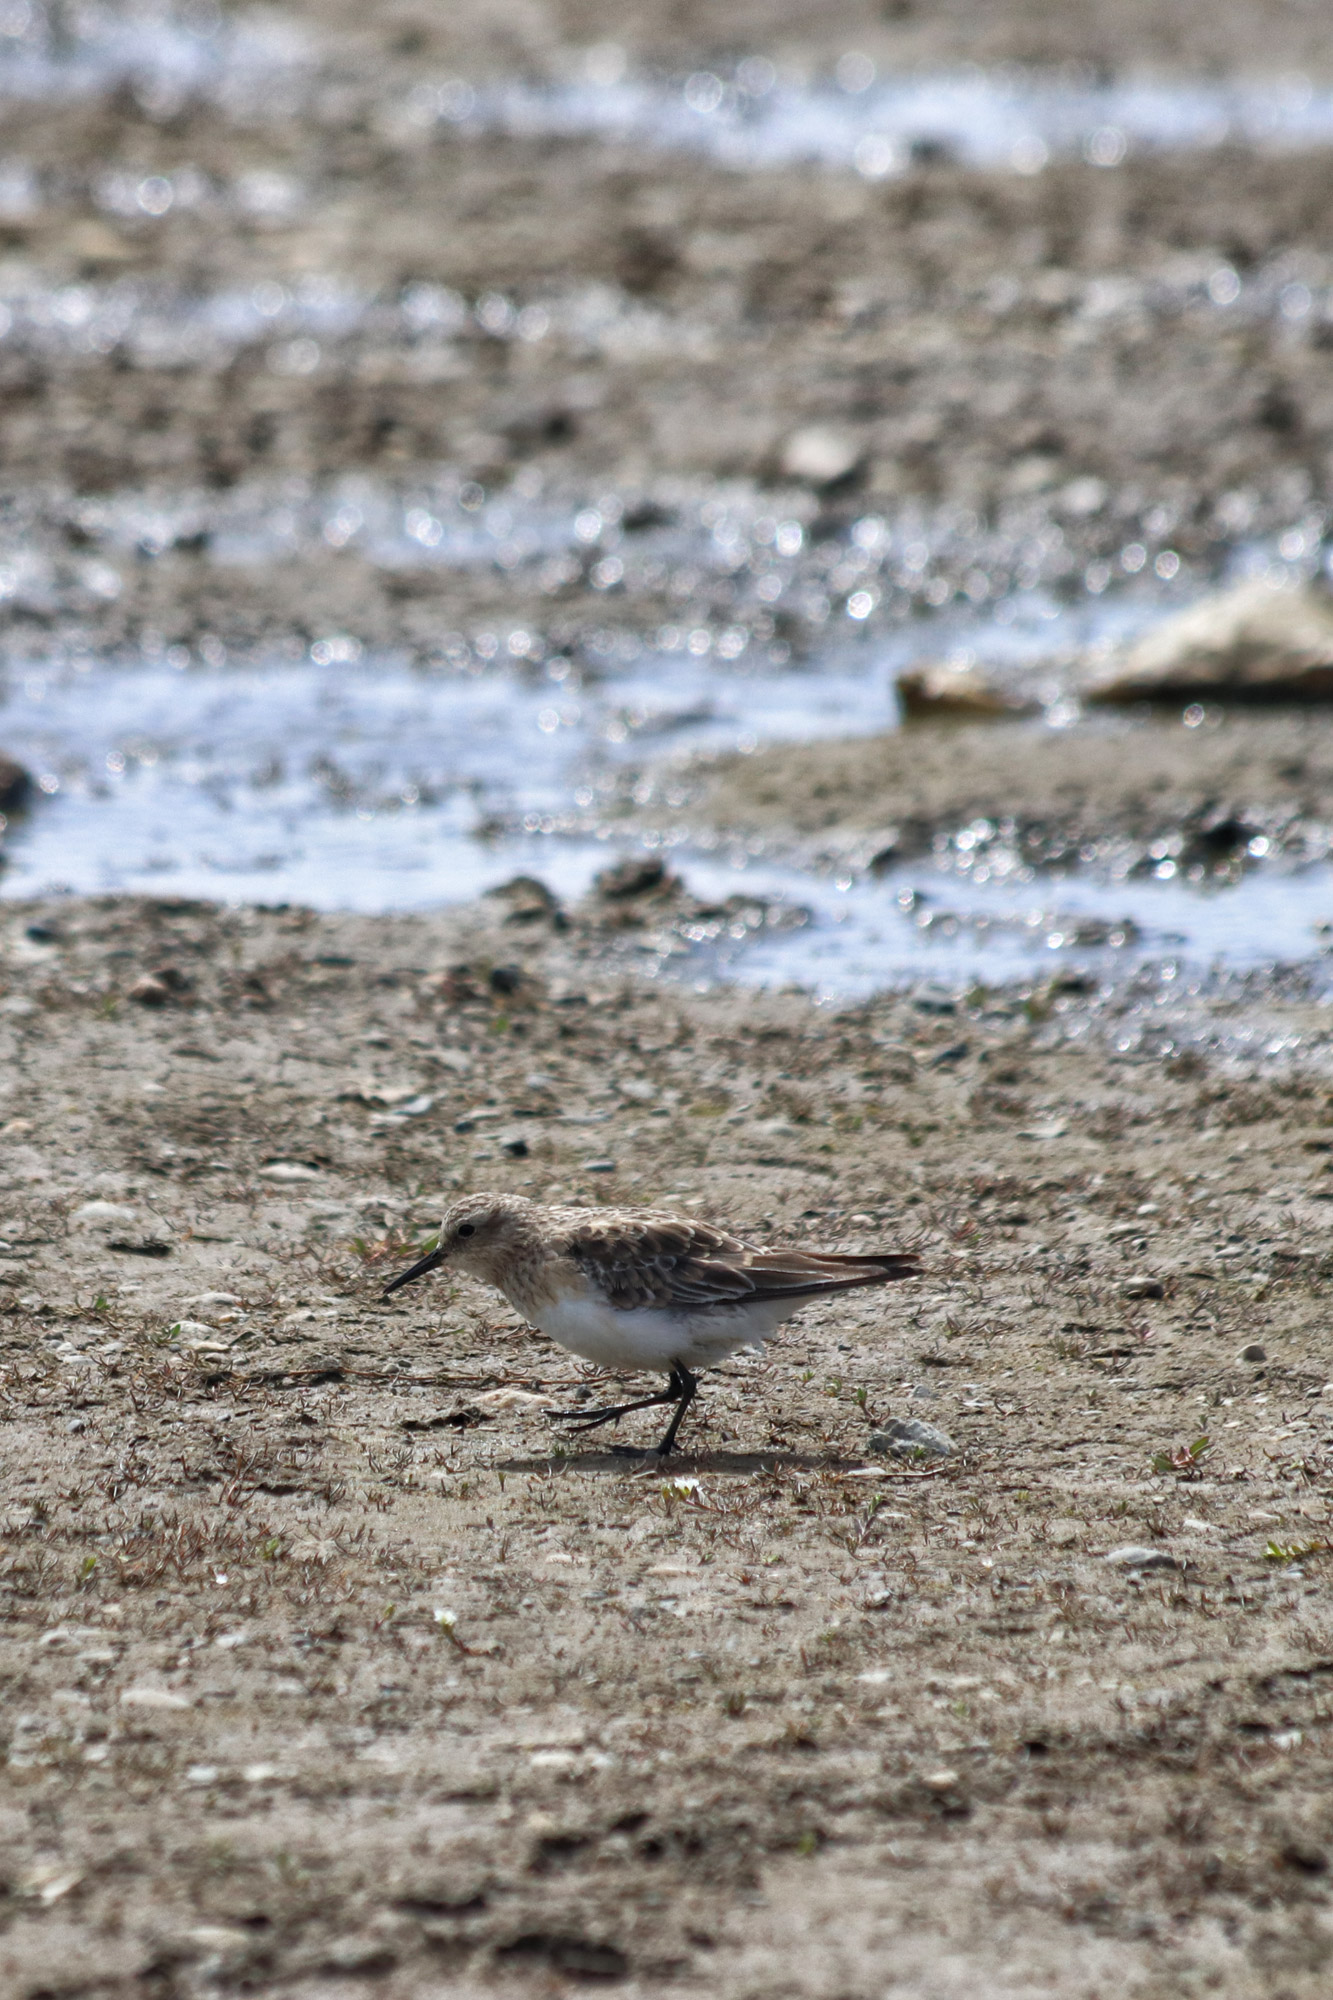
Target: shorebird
point(639, 1289)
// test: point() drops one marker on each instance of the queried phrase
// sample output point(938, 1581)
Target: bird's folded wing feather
point(671, 1262)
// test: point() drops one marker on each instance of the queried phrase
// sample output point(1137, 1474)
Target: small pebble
point(1143, 1288)
point(940, 1781)
point(599, 1166)
point(107, 1215)
point(1135, 1556)
point(150, 1697)
point(908, 1437)
point(15, 784)
point(288, 1171)
point(1253, 1353)
point(515, 1145)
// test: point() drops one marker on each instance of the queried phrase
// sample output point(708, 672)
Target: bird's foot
point(584, 1419)
point(591, 1420)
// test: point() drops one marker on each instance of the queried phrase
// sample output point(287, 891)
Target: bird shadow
point(686, 1463)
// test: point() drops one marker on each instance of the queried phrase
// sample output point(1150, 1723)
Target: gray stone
point(964, 692)
point(908, 1437)
point(15, 784)
point(1253, 1353)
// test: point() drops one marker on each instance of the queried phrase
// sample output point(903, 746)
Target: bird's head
point(478, 1233)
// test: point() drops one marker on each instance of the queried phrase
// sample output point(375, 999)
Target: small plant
point(1185, 1460)
point(393, 1248)
point(1290, 1552)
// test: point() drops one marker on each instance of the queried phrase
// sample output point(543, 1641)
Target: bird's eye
point(467, 1228)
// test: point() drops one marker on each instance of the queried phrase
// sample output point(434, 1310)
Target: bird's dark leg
point(687, 1388)
point(591, 1420)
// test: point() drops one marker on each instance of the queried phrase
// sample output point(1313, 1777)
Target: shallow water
point(328, 772)
point(880, 127)
point(168, 54)
point(262, 66)
point(911, 925)
point(366, 785)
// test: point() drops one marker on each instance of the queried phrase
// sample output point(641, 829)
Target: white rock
point(1134, 1555)
point(288, 1171)
point(107, 1215)
point(908, 1437)
point(820, 454)
point(1259, 640)
point(511, 1399)
point(150, 1697)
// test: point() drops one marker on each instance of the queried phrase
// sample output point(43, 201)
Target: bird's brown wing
point(671, 1261)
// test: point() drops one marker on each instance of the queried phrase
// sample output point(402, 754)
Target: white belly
point(654, 1336)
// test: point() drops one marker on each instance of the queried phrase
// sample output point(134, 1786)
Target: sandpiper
point(632, 1289)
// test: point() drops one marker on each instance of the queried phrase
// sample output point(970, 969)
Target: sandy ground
point(1107, 793)
point(326, 1671)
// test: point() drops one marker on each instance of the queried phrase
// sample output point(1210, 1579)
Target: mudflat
point(330, 1666)
point(1039, 349)
point(328, 1663)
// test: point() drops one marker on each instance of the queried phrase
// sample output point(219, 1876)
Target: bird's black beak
point(417, 1270)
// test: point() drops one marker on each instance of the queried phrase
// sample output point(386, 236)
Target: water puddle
point(349, 786)
point(262, 67)
point(878, 127)
point(369, 786)
point(910, 927)
point(167, 54)
point(430, 330)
